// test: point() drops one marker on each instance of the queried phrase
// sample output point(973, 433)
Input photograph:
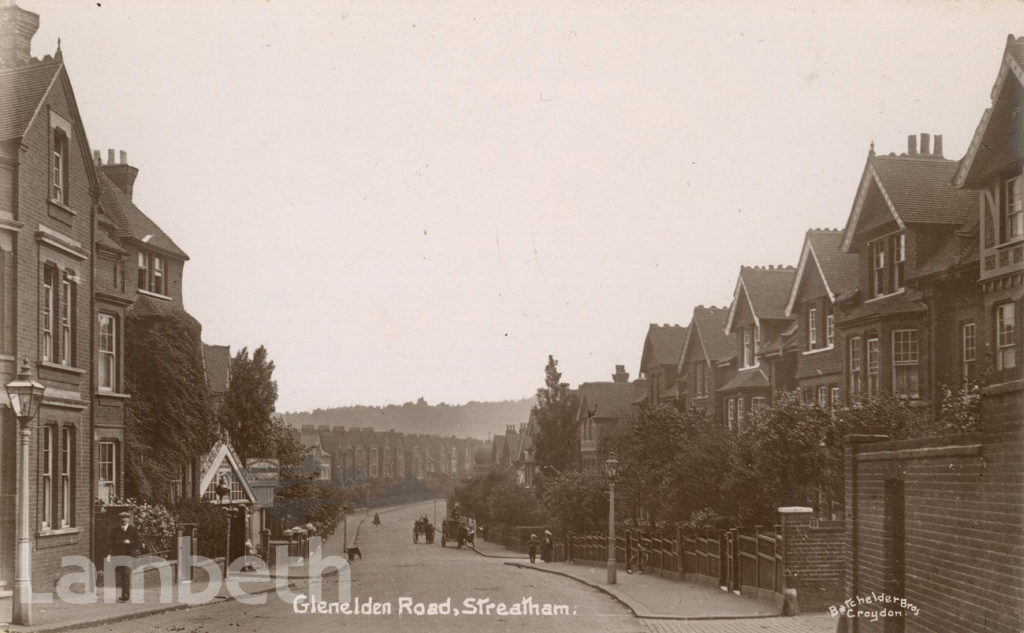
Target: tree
point(168, 421)
point(578, 500)
point(555, 413)
point(247, 413)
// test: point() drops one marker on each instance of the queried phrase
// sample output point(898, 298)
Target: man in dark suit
point(124, 541)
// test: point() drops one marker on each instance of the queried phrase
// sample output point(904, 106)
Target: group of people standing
point(546, 545)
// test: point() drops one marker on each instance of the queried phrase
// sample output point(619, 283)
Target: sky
point(426, 198)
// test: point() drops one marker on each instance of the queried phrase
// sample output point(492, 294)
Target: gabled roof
point(753, 378)
point(663, 345)
point(706, 333)
point(217, 363)
point(989, 143)
point(822, 255)
point(916, 189)
point(606, 399)
point(22, 90)
point(765, 289)
point(131, 222)
point(221, 454)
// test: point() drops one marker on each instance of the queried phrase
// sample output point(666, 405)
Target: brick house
point(823, 274)
point(659, 362)
point(48, 197)
point(905, 213)
point(603, 406)
point(994, 166)
point(757, 320)
point(707, 360)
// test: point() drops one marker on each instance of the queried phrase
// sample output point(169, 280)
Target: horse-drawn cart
point(423, 527)
point(459, 531)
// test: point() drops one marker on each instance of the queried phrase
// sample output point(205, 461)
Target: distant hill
point(473, 419)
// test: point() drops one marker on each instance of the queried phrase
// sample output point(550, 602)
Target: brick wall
point(813, 555)
point(962, 524)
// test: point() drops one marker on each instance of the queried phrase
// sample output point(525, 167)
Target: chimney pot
point(912, 145)
point(124, 157)
point(925, 144)
point(937, 149)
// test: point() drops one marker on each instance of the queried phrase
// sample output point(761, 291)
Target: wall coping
point(795, 510)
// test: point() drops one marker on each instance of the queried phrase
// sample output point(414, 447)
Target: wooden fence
point(744, 560)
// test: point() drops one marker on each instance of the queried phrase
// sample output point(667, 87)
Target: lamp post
point(25, 394)
point(611, 466)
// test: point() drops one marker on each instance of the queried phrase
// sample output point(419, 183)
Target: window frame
point(701, 379)
point(1005, 335)
point(834, 396)
point(822, 396)
point(1013, 209)
point(107, 359)
point(48, 316)
point(899, 259)
point(101, 468)
point(66, 503)
point(854, 364)
point(830, 330)
point(59, 167)
point(906, 361)
point(46, 459)
point(731, 410)
point(872, 357)
point(968, 350)
point(812, 327)
point(878, 273)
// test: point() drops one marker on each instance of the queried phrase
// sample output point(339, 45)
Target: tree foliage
point(168, 422)
point(577, 500)
point(247, 412)
point(497, 498)
point(555, 413)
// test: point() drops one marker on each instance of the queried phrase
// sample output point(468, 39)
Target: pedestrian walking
point(547, 546)
point(532, 545)
point(124, 541)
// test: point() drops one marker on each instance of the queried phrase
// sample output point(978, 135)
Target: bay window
point(968, 351)
point(1014, 218)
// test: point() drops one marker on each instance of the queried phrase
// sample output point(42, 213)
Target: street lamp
point(611, 466)
point(25, 395)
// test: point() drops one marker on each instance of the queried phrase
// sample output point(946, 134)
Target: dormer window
point(143, 271)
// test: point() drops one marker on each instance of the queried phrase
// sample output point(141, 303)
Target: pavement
point(671, 606)
point(99, 609)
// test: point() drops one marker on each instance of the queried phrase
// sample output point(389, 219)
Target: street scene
point(474, 315)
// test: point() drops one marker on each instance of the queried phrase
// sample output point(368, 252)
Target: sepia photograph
point(625, 316)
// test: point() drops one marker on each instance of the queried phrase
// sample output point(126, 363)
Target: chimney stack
point(96, 157)
point(123, 175)
point(912, 145)
point(925, 144)
point(937, 150)
point(17, 26)
point(620, 375)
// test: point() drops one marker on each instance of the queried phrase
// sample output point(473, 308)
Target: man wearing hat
point(124, 541)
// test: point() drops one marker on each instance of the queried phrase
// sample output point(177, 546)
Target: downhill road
point(394, 572)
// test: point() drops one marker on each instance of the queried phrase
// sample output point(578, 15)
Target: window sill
point(886, 296)
point(1013, 241)
point(59, 367)
point(62, 206)
point(818, 350)
point(113, 394)
point(57, 532)
point(155, 295)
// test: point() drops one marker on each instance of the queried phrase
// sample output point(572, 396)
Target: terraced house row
point(77, 256)
point(920, 290)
